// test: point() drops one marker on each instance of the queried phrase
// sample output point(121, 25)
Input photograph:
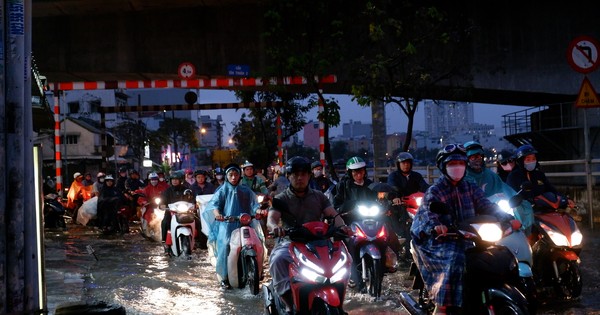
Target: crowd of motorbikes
point(507, 271)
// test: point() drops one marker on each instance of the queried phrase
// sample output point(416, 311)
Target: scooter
point(410, 204)
point(557, 243)
point(246, 254)
point(54, 212)
point(370, 244)
point(490, 270)
point(517, 242)
point(180, 236)
point(319, 272)
point(150, 218)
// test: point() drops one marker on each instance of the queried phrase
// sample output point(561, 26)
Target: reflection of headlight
point(418, 201)
point(368, 211)
point(157, 200)
point(489, 232)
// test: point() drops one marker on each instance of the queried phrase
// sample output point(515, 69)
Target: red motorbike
point(319, 273)
point(556, 245)
point(412, 203)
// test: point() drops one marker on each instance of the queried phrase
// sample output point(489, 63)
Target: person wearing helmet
point(504, 165)
point(527, 170)
point(121, 179)
point(87, 179)
point(202, 185)
point(492, 184)
point(405, 182)
point(280, 181)
point(319, 180)
point(78, 193)
point(97, 186)
point(354, 186)
point(219, 178)
point(189, 178)
point(109, 201)
point(162, 180)
point(300, 204)
point(174, 193)
point(462, 199)
point(134, 182)
point(153, 189)
point(249, 178)
point(232, 199)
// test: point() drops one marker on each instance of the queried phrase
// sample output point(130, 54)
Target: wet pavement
point(82, 265)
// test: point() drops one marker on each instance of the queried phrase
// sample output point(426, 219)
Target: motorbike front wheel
point(374, 276)
point(569, 286)
point(252, 276)
point(186, 245)
point(319, 307)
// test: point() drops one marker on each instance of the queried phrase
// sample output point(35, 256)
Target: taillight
point(245, 219)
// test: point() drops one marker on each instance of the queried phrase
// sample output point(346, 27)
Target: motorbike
point(150, 217)
point(319, 273)
point(557, 243)
point(517, 242)
point(411, 204)
point(490, 270)
point(180, 236)
point(54, 212)
point(246, 254)
point(370, 245)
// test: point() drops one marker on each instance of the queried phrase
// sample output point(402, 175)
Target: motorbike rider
point(97, 186)
point(202, 186)
point(162, 181)
point(189, 178)
point(153, 190)
point(121, 179)
point(302, 205)
point(280, 181)
point(87, 179)
point(349, 191)
point(442, 263)
point(109, 202)
point(491, 183)
point(232, 199)
point(504, 165)
point(405, 182)
point(175, 192)
point(219, 178)
point(77, 194)
point(319, 180)
point(249, 178)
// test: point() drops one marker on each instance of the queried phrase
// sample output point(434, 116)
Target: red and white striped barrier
point(190, 83)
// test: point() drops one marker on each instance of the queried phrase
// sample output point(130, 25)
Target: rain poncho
point(492, 184)
point(231, 201)
point(442, 262)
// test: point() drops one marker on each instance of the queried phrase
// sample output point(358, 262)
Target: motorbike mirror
point(438, 207)
point(515, 201)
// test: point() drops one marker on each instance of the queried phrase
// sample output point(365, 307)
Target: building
point(311, 135)
point(356, 129)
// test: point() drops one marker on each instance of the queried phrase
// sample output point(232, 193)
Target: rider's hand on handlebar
point(515, 224)
point(396, 201)
point(261, 213)
point(218, 215)
point(278, 231)
point(441, 230)
point(347, 230)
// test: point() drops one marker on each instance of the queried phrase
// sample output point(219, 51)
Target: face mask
point(530, 166)
point(507, 167)
point(455, 173)
point(318, 173)
point(154, 182)
point(101, 180)
point(219, 177)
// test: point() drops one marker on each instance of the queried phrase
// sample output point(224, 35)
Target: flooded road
point(82, 265)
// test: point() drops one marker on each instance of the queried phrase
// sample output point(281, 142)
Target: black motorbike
point(54, 212)
point(490, 270)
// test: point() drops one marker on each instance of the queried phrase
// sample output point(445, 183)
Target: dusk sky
point(484, 113)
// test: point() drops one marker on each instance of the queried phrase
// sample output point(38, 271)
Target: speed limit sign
point(186, 70)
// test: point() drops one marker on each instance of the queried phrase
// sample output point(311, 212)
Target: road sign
point(587, 96)
point(583, 54)
point(238, 70)
point(186, 70)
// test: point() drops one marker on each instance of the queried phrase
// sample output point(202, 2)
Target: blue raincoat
point(231, 201)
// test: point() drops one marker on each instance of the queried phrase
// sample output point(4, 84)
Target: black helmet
point(178, 175)
point(200, 172)
point(525, 150)
point(219, 171)
point(232, 167)
point(316, 164)
point(297, 164)
point(404, 156)
point(451, 152)
point(123, 169)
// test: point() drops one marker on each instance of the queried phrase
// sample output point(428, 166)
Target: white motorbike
point(180, 236)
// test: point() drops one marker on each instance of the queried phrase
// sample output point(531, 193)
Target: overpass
point(517, 53)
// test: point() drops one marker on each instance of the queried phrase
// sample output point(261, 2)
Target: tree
point(134, 132)
point(308, 38)
point(178, 131)
point(411, 49)
point(255, 135)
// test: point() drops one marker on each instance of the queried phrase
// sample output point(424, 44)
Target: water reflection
point(133, 272)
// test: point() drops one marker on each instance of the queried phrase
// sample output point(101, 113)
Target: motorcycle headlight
point(310, 270)
point(419, 201)
point(557, 238)
point(368, 211)
point(576, 238)
point(504, 206)
point(489, 232)
point(339, 271)
point(157, 200)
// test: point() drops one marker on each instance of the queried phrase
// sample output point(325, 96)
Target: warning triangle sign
point(587, 97)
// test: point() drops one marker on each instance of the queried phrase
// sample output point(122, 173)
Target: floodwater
point(82, 265)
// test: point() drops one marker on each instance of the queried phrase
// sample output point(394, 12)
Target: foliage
point(177, 132)
point(255, 134)
point(134, 133)
point(298, 150)
point(412, 48)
